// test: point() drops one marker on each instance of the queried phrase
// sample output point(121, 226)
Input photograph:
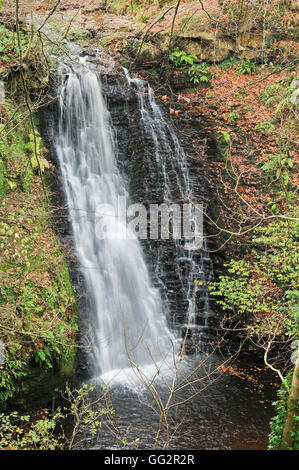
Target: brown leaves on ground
point(232, 105)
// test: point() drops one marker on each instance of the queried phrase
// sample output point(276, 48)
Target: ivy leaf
point(41, 355)
point(286, 177)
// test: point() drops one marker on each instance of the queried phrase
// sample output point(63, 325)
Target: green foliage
point(245, 66)
point(12, 374)
point(78, 36)
point(162, 3)
point(196, 72)
point(199, 73)
point(22, 60)
point(34, 148)
point(243, 91)
point(224, 138)
point(227, 63)
point(263, 285)
point(41, 432)
point(266, 127)
point(9, 49)
point(278, 420)
point(179, 57)
point(18, 162)
point(40, 320)
point(18, 432)
point(278, 95)
point(22, 153)
point(87, 415)
point(142, 17)
point(233, 116)
point(278, 168)
point(34, 337)
point(225, 145)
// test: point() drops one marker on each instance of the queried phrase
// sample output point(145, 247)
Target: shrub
point(196, 72)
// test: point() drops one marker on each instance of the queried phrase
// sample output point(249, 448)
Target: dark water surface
point(233, 413)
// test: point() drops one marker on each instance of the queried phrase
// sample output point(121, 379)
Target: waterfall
point(167, 167)
point(126, 310)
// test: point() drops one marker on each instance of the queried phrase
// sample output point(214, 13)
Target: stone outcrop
point(196, 37)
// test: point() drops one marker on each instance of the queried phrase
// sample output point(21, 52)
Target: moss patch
point(37, 306)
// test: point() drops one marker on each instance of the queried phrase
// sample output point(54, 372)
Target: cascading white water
point(126, 309)
point(169, 157)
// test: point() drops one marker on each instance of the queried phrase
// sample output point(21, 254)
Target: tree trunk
point(290, 424)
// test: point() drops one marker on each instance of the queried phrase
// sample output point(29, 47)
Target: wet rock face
point(137, 159)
